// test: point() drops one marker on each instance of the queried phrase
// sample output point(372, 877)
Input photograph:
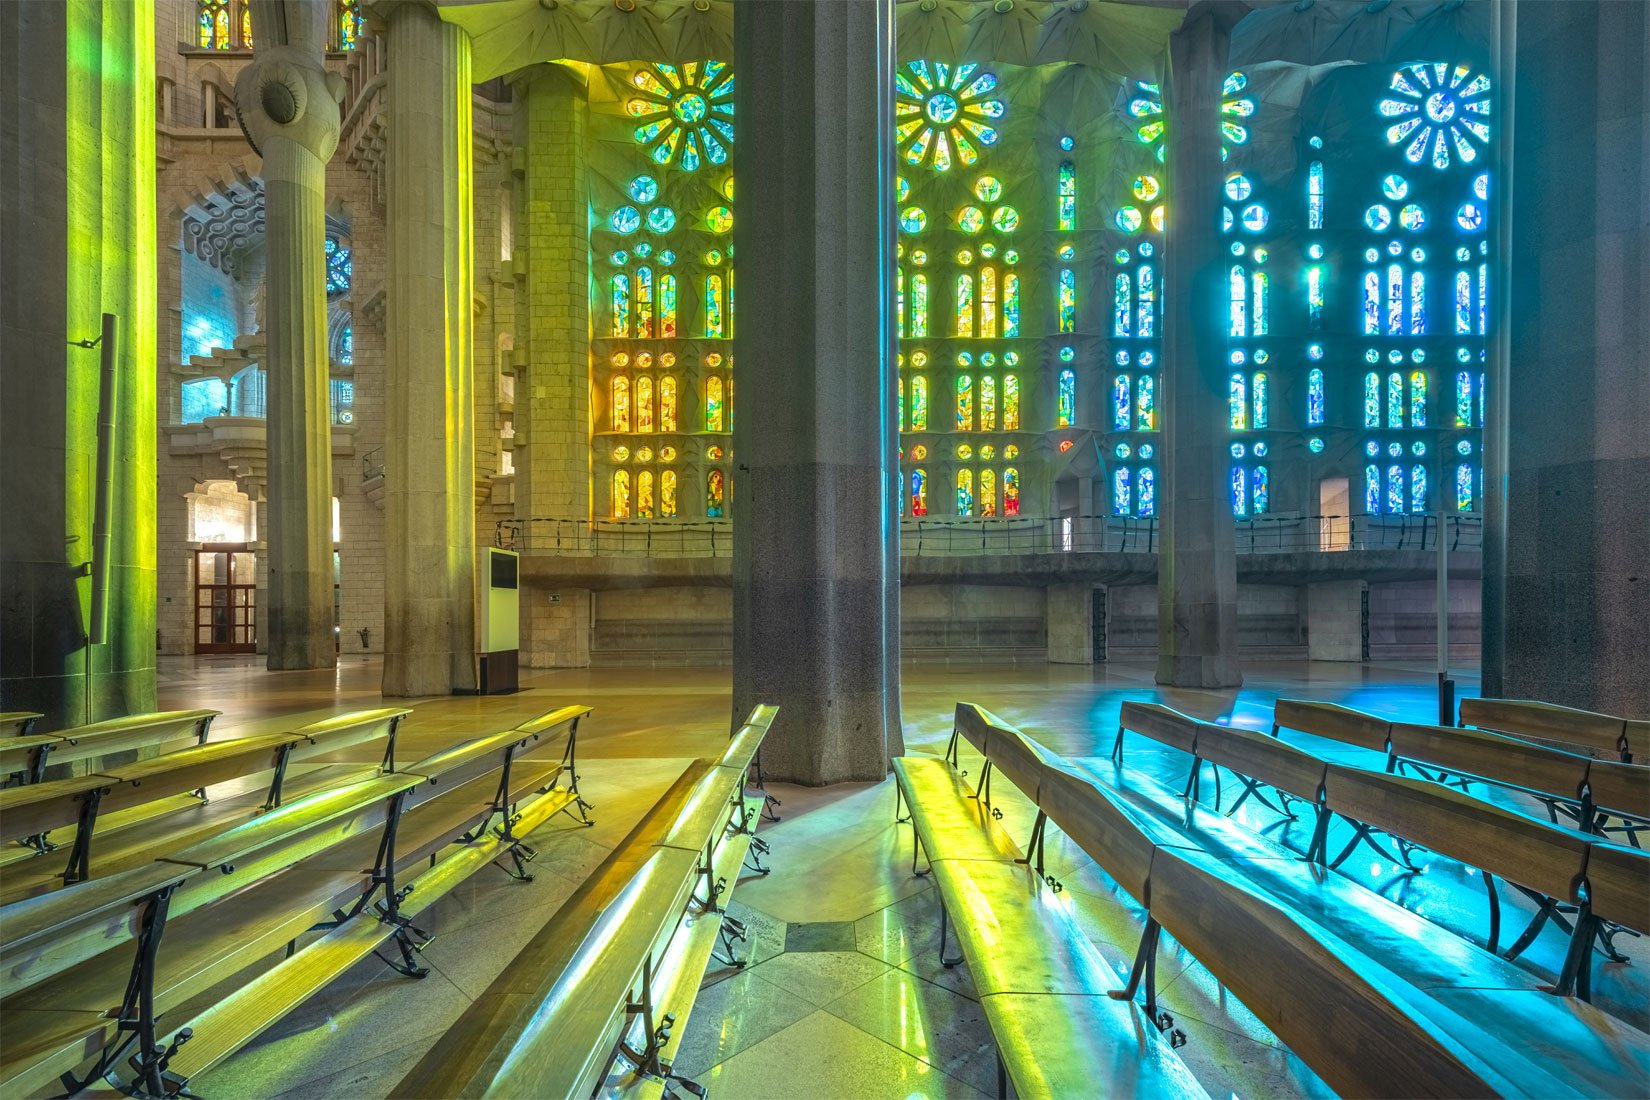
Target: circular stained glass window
point(1005, 219)
point(1238, 450)
point(1394, 186)
point(1128, 219)
point(1260, 450)
point(1395, 449)
point(621, 454)
point(964, 451)
point(1315, 445)
point(1372, 448)
point(1122, 450)
point(644, 454)
point(1395, 247)
point(1122, 358)
point(1145, 248)
point(1372, 254)
point(1314, 351)
point(667, 454)
point(919, 452)
point(1412, 217)
point(964, 257)
point(1238, 187)
point(1146, 450)
point(1260, 255)
point(1066, 143)
point(988, 452)
point(919, 257)
point(913, 219)
point(644, 189)
point(1226, 219)
point(1464, 447)
point(941, 109)
point(1238, 358)
point(1146, 359)
point(713, 257)
point(1470, 216)
point(1418, 254)
point(988, 249)
point(1463, 355)
point(1067, 355)
point(661, 219)
point(1011, 451)
point(667, 257)
point(689, 108)
point(919, 358)
point(971, 219)
point(1146, 188)
point(1395, 356)
point(902, 189)
point(1262, 356)
point(1121, 255)
point(1463, 254)
point(719, 220)
point(1011, 257)
point(1378, 217)
point(1066, 252)
point(1011, 358)
point(1372, 356)
point(644, 359)
point(964, 359)
point(626, 219)
point(620, 258)
point(1417, 448)
point(1157, 218)
point(1481, 186)
point(621, 359)
point(988, 359)
point(1239, 248)
point(1315, 251)
point(988, 188)
point(644, 249)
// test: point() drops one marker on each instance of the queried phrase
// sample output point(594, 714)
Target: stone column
point(1197, 567)
point(287, 103)
point(77, 218)
point(1335, 621)
point(1576, 615)
point(815, 564)
point(429, 452)
point(1070, 619)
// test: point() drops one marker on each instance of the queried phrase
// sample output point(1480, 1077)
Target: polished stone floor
point(843, 994)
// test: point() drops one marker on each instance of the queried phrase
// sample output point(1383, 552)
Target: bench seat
point(1043, 985)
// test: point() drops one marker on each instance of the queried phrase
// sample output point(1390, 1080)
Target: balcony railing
point(964, 537)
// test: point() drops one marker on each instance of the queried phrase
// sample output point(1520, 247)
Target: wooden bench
point(599, 998)
point(1367, 994)
point(120, 740)
point(18, 723)
point(1583, 729)
point(227, 902)
point(143, 790)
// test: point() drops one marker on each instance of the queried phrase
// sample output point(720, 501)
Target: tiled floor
point(843, 994)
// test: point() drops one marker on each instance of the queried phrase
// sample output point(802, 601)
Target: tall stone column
point(429, 454)
point(1197, 565)
point(815, 553)
point(1576, 616)
point(287, 103)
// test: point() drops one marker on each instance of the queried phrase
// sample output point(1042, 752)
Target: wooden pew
point(1413, 1013)
point(619, 963)
point(18, 723)
point(23, 759)
point(1044, 988)
point(1332, 721)
point(231, 900)
point(148, 785)
point(140, 735)
point(1583, 729)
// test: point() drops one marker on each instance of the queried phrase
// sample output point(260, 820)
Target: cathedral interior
point(1203, 437)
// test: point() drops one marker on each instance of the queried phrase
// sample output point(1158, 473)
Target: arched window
point(667, 494)
point(715, 419)
point(1464, 482)
point(988, 492)
point(214, 25)
point(988, 301)
point(351, 24)
point(1314, 396)
point(1237, 403)
point(919, 492)
point(1067, 215)
point(1121, 403)
point(644, 403)
point(618, 411)
point(620, 306)
point(1011, 403)
point(1145, 404)
point(1068, 300)
point(1260, 493)
point(1146, 502)
point(1122, 318)
point(1240, 491)
point(715, 494)
point(965, 403)
point(1011, 492)
point(1122, 496)
point(642, 297)
point(621, 494)
point(667, 403)
point(1146, 298)
point(965, 492)
point(644, 494)
point(667, 307)
point(965, 305)
point(988, 407)
point(1258, 391)
point(919, 304)
point(715, 308)
point(1237, 307)
point(1011, 305)
point(919, 403)
point(1066, 411)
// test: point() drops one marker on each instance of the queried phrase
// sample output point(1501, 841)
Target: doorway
point(226, 598)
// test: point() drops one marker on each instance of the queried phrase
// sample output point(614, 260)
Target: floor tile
point(732, 1016)
point(928, 1021)
point(820, 936)
point(820, 977)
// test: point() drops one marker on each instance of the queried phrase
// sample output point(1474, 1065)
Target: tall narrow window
point(919, 492)
point(1121, 496)
point(1463, 303)
point(965, 403)
point(667, 403)
point(1463, 487)
point(1145, 404)
point(1011, 305)
point(1372, 303)
point(351, 24)
point(1417, 303)
point(1418, 489)
point(1120, 403)
point(988, 408)
point(1122, 317)
point(1068, 300)
point(1146, 498)
point(1463, 399)
point(715, 494)
point(644, 403)
point(919, 403)
point(621, 494)
point(618, 413)
point(1240, 491)
point(1372, 489)
point(1237, 402)
point(644, 302)
point(667, 307)
point(1395, 489)
point(621, 306)
point(715, 417)
point(1011, 402)
point(1237, 307)
point(1260, 304)
point(1372, 400)
point(1395, 400)
point(1314, 396)
point(988, 492)
point(1260, 492)
point(1483, 298)
point(1418, 399)
point(1011, 492)
point(965, 304)
point(1066, 405)
point(214, 25)
point(1394, 300)
point(715, 308)
point(919, 304)
point(644, 495)
point(667, 494)
point(965, 492)
point(899, 303)
point(988, 302)
point(1314, 195)
point(1068, 196)
point(1258, 392)
point(1148, 301)
point(1314, 297)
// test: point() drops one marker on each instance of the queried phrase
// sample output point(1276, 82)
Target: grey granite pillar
point(287, 103)
point(77, 219)
point(1197, 567)
point(1070, 624)
point(429, 459)
point(816, 571)
point(1577, 569)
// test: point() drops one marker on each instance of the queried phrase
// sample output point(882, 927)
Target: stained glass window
point(667, 403)
point(1417, 489)
point(1066, 413)
point(621, 494)
point(1260, 493)
point(1463, 487)
point(965, 492)
point(684, 113)
point(1418, 399)
point(965, 305)
point(1240, 491)
point(1121, 494)
point(1237, 404)
point(988, 406)
point(338, 268)
point(1146, 498)
point(619, 408)
point(351, 24)
point(715, 490)
point(714, 418)
point(214, 25)
point(940, 108)
point(246, 26)
point(715, 308)
point(1314, 396)
point(919, 304)
point(1120, 403)
point(1011, 491)
point(919, 403)
point(919, 492)
point(667, 494)
point(1372, 489)
point(1067, 219)
point(1068, 300)
point(965, 403)
point(1238, 303)
point(644, 403)
point(1145, 404)
point(644, 494)
point(1011, 403)
point(988, 492)
point(1122, 307)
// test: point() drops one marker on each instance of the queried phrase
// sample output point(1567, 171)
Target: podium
point(500, 621)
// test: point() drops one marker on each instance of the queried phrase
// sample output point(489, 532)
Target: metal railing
point(372, 463)
point(965, 537)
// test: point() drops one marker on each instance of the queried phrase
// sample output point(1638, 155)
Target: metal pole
point(1446, 686)
point(97, 631)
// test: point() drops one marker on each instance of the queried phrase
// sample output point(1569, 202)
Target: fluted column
point(815, 554)
point(429, 455)
point(1197, 563)
point(288, 106)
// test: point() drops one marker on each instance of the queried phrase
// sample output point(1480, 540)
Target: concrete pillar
point(429, 459)
point(288, 105)
point(815, 565)
point(1071, 624)
point(77, 218)
point(1576, 617)
point(1335, 621)
point(1197, 569)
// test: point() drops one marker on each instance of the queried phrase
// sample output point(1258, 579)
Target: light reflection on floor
point(883, 1019)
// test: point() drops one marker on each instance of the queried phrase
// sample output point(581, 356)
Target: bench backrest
point(158, 731)
point(17, 754)
point(17, 723)
point(553, 720)
point(1332, 721)
point(1020, 759)
point(1493, 756)
point(1513, 845)
point(1101, 828)
point(1621, 788)
point(1162, 724)
point(320, 742)
point(1618, 884)
point(1262, 758)
point(1551, 722)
